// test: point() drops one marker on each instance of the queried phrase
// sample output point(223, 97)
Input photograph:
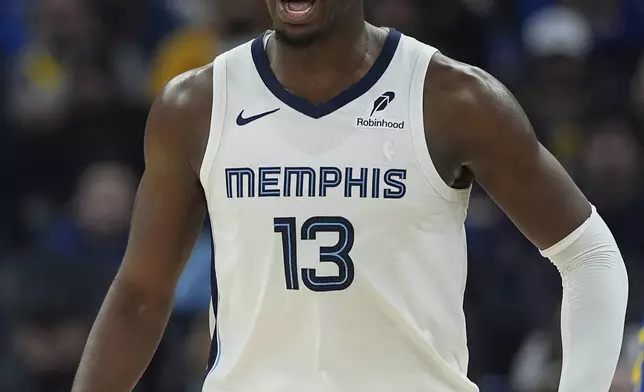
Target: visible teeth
point(299, 5)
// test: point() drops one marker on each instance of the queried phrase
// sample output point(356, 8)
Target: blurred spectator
point(611, 177)
point(239, 21)
point(557, 30)
point(192, 45)
point(603, 15)
point(558, 42)
point(209, 28)
point(131, 30)
point(57, 30)
point(96, 231)
point(51, 311)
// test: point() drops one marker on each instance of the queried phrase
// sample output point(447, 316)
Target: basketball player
point(336, 158)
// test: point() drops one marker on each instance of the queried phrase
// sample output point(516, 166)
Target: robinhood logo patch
point(382, 102)
point(380, 105)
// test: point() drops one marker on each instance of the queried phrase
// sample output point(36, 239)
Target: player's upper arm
point(170, 208)
point(489, 133)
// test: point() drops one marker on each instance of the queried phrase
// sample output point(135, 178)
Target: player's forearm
point(123, 340)
point(595, 293)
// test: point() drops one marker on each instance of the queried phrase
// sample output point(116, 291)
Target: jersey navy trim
point(260, 58)
point(214, 292)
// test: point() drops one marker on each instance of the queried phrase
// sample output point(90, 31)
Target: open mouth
point(297, 11)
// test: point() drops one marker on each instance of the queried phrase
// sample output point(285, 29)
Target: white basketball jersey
point(340, 259)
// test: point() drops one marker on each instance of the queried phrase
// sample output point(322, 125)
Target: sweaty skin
point(472, 125)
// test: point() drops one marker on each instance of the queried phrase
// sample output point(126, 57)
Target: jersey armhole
point(217, 119)
point(419, 141)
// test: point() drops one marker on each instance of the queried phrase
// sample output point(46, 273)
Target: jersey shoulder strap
point(420, 76)
point(219, 79)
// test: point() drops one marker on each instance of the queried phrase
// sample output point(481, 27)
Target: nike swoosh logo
point(241, 120)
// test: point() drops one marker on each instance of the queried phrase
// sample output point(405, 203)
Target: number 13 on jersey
point(337, 254)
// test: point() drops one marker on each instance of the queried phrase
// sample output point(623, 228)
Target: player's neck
point(325, 68)
point(329, 50)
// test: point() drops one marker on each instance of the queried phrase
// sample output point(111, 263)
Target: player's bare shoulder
point(461, 82)
point(466, 111)
point(181, 114)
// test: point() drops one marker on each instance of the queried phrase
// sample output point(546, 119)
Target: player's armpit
point(168, 215)
point(485, 129)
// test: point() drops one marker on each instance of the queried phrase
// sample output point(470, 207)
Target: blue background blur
point(78, 76)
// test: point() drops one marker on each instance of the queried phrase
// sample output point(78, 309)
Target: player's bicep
point(522, 177)
point(165, 226)
point(534, 191)
point(169, 208)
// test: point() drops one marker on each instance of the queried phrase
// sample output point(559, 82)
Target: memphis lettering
point(320, 182)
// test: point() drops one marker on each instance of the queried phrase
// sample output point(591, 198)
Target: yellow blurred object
point(43, 71)
point(181, 51)
point(639, 365)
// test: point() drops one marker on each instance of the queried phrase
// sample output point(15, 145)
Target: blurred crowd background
point(78, 76)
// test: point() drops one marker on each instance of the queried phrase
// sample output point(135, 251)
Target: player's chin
point(301, 37)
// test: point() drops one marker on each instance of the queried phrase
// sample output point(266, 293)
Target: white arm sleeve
point(595, 292)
